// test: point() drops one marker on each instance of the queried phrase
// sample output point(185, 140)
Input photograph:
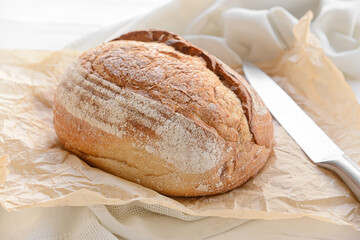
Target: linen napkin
point(258, 30)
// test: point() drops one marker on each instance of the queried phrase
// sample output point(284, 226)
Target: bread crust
point(151, 108)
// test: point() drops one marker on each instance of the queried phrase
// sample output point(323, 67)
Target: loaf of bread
point(153, 109)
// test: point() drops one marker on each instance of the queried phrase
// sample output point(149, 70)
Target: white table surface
point(42, 24)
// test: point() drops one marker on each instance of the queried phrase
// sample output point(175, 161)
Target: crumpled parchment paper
point(36, 171)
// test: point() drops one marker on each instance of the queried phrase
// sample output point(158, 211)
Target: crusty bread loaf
point(151, 108)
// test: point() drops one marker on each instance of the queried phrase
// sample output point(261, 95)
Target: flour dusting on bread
point(178, 140)
point(153, 109)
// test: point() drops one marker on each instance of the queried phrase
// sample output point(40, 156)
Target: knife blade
point(306, 133)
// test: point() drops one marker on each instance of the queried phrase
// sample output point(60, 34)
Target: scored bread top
point(176, 80)
point(258, 116)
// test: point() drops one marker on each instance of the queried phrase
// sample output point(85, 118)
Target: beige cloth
point(39, 173)
point(135, 222)
point(130, 221)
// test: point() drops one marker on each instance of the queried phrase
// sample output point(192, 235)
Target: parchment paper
point(36, 171)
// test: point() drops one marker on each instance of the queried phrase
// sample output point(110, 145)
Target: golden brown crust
point(260, 123)
point(165, 75)
point(184, 124)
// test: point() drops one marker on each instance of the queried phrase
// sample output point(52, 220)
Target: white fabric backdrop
point(257, 30)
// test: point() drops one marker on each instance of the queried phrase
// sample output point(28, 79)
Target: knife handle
point(348, 171)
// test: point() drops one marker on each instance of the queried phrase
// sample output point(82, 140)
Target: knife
point(309, 136)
